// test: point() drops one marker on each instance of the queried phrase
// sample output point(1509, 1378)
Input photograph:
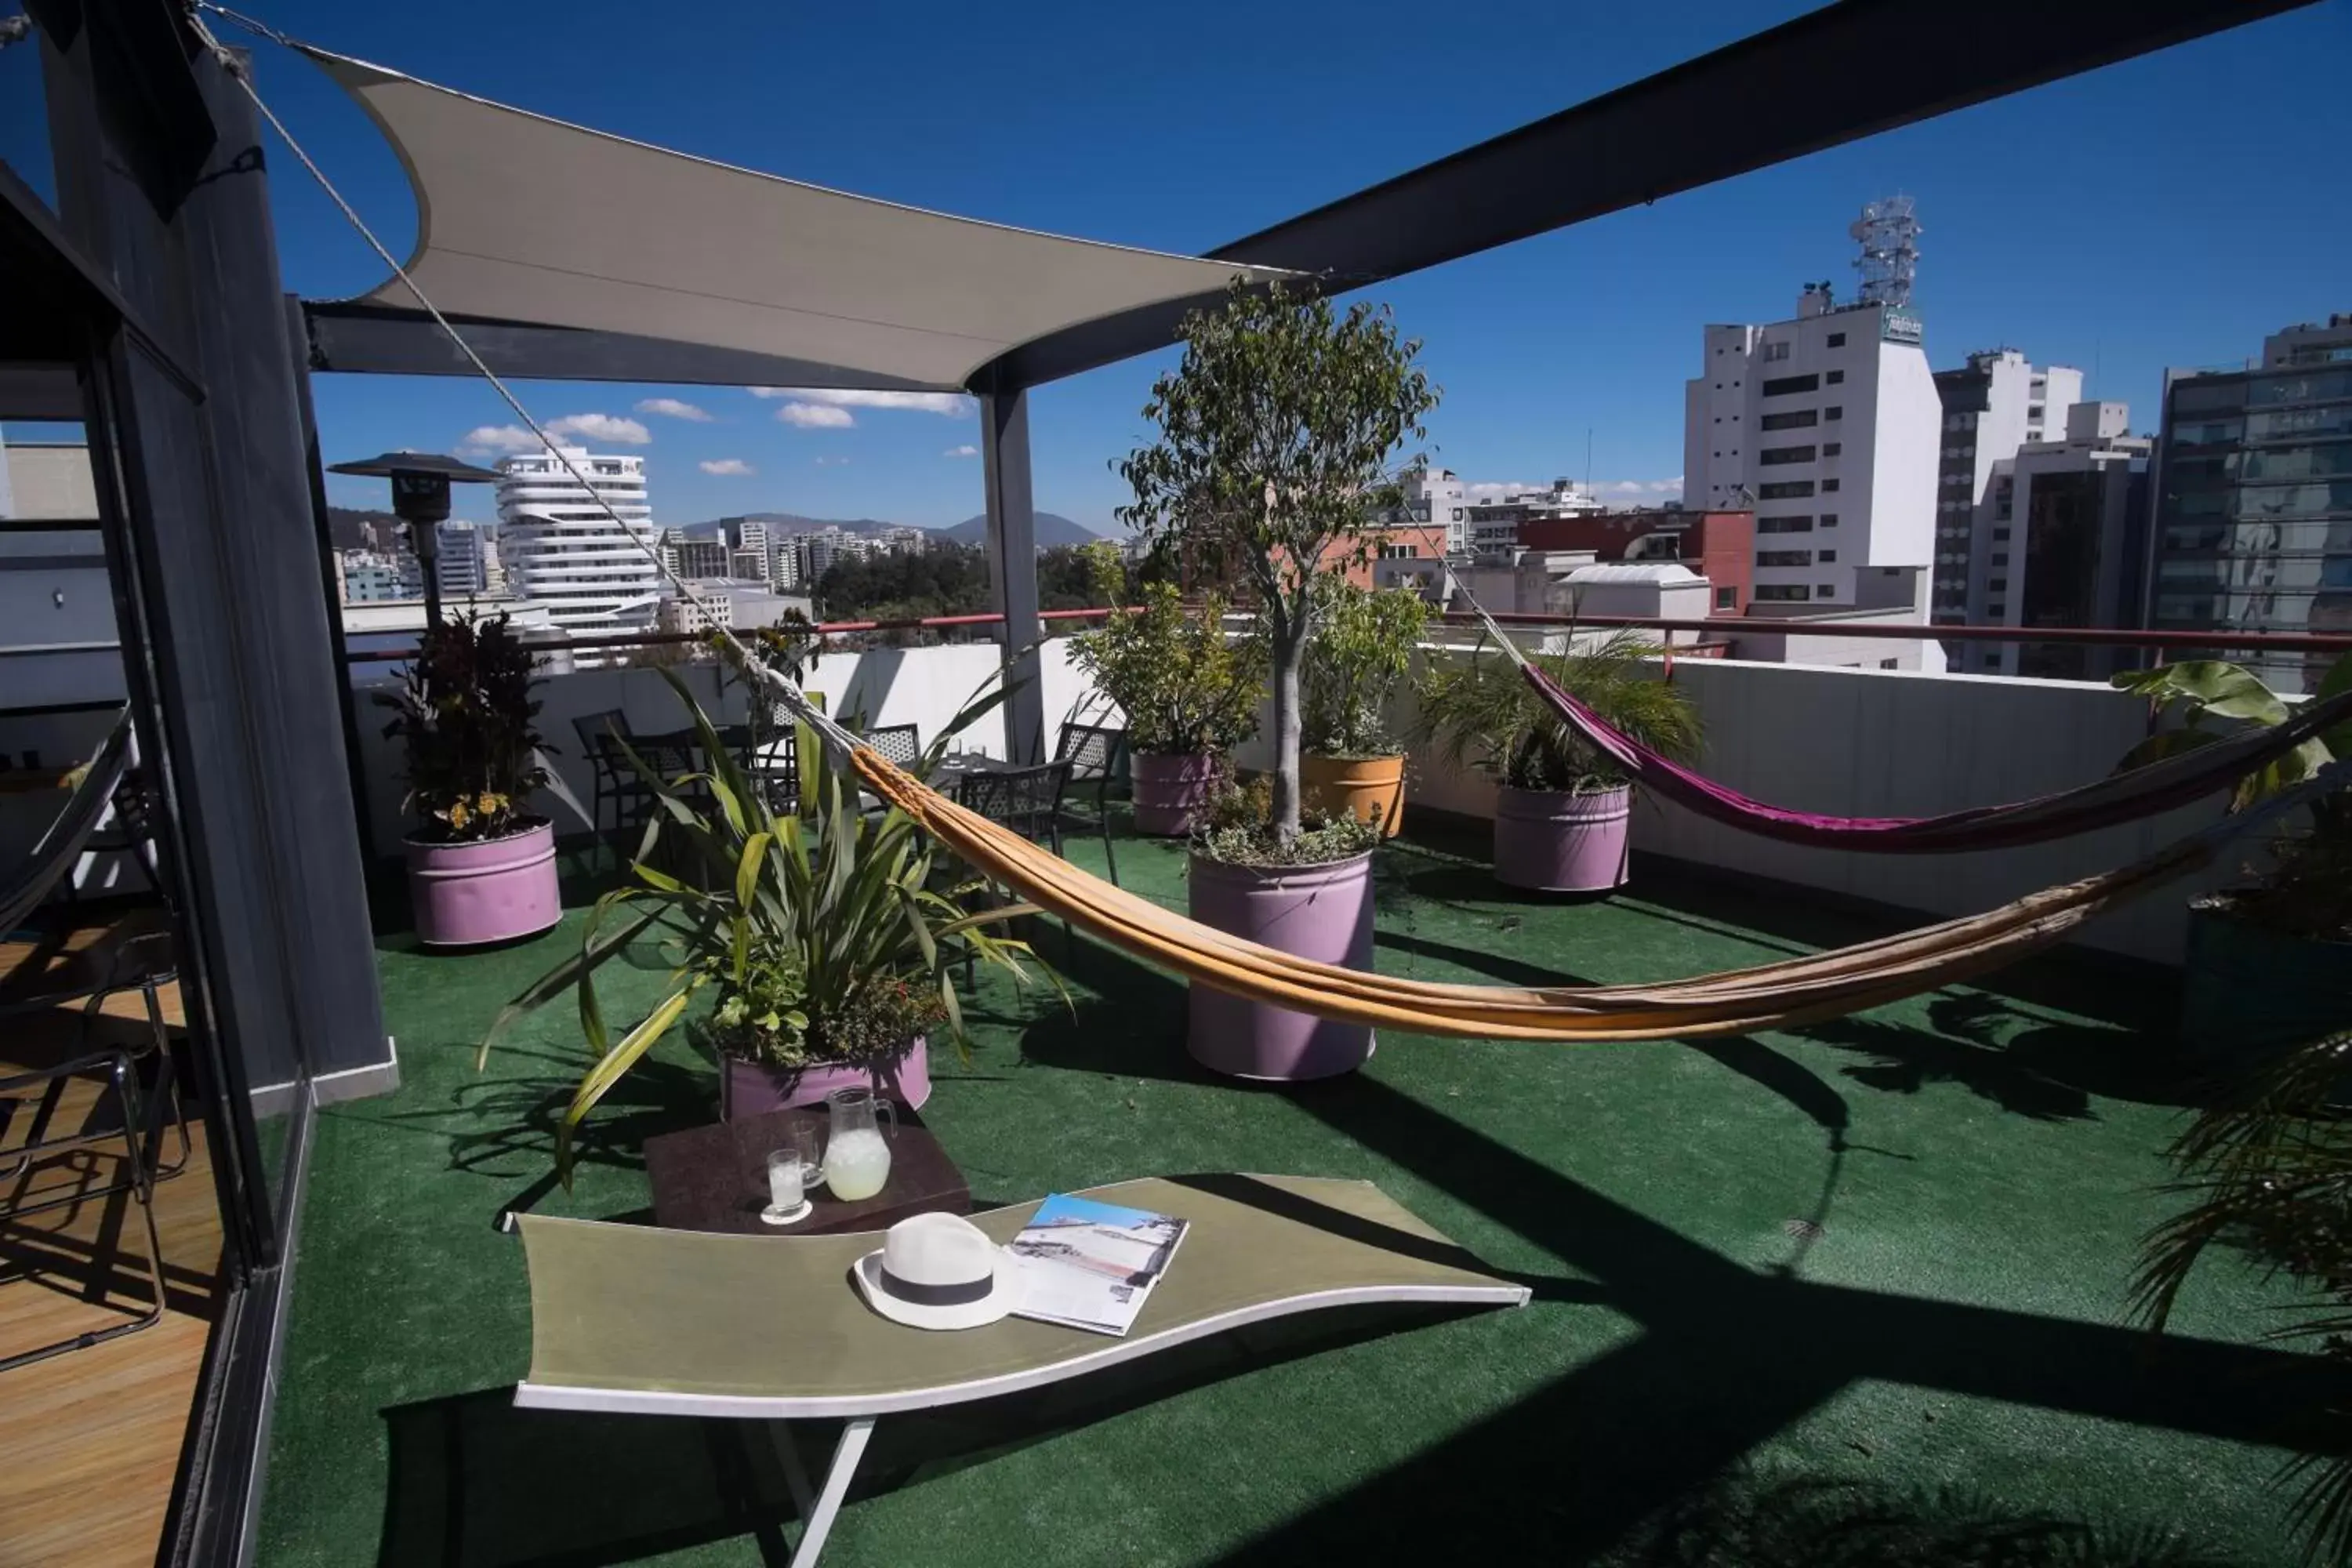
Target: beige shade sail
point(527, 219)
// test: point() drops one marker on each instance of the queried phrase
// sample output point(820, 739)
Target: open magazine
point(1087, 1265)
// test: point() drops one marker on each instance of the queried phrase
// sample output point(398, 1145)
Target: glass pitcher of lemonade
point(857, 1155)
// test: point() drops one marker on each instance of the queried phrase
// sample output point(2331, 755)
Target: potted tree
point(1361, 651)
point(1190, 691)
point(1275, 433)
point(2269, 962)
point(821, 936)
point(1561, 809)
point(481, 865)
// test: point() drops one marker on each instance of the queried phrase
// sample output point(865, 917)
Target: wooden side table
point(716, 1178)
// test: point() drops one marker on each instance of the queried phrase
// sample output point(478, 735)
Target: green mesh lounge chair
point(633, 1320)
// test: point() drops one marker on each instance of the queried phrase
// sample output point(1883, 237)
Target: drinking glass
point(791, 1168)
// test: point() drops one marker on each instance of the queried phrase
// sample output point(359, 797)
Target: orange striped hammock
point(1772, 995)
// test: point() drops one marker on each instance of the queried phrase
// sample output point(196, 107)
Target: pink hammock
point(2115, 799)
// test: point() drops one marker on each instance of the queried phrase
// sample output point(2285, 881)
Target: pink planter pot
point(1553, 842)
point(495, 890)
point(1314, 912)
point(1170, 792)
point(755, 1089)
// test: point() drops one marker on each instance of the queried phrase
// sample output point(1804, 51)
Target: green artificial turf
point(1939, 1375)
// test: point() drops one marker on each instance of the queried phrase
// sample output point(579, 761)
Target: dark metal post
point(1013, 564)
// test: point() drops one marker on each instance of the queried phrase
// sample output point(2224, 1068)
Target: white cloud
point(1497, 490)
point(607, 428)
point(672, 409)
point(1673, 487)
point(815, 417)
point(726, 467)
point(831, 462)
point(953, 405)
point(483, 439)
point(966, 451)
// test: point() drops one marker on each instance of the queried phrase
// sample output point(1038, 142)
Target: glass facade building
point(2253, 500)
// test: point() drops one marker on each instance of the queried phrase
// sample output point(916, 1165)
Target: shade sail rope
point(2109, 802)
point(1776, 994)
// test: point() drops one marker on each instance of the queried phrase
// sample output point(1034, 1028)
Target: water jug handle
point(887, 1108)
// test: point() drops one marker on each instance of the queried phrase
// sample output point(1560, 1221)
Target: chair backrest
point(25, 885)
point(597, 732)
point(1091, 750)
point(775, 766)
point(1023, 799)
point(900, 743)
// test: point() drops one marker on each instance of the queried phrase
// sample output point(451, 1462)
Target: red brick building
point(1719, 545)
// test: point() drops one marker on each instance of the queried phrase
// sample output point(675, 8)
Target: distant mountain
point(1052, 529)
point(348, 527)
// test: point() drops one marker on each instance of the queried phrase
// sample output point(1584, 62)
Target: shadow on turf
point(475, 1482)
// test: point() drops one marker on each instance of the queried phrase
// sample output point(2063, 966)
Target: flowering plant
point(464, 712)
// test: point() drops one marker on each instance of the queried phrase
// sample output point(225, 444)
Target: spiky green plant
point(792, 919)
point(1481, 711)
point(2269, 1167)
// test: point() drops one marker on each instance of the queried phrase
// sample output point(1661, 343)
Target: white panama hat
point(938, 1271)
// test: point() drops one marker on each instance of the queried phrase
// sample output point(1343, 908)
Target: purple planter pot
point(1312, 911)
point(1170, 791)
point(494, 890)
point(1554, 842)
point(755, 1089)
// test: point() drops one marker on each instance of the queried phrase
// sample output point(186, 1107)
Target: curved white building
point(562, 549)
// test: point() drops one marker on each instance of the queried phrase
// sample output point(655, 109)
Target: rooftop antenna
point(1888, 231)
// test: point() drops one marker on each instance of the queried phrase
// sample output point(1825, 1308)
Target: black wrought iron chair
point(899, 744)
point(601, 736)
point(1096, 755)
point(1028, 801)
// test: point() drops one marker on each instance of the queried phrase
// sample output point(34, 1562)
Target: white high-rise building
point(1993, 406)
point(1828, 426)
point(462, 560)
point(563, 550)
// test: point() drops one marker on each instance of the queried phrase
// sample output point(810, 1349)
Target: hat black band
point(915, 1295)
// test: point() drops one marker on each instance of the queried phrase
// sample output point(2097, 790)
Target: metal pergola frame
point(195, 387)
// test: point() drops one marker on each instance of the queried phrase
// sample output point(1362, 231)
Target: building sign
point(1900, 327)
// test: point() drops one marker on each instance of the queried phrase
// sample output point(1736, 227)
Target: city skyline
point(2051, 223)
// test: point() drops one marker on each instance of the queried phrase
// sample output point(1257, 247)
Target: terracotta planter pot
point(494, 890)
point(1308, 911)
point(2248, 993)
point(1171, 791)
point(1553, 842)
point(1363, 787)
point(755, 1089)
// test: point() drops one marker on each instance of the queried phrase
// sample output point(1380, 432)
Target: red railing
point(661, 639)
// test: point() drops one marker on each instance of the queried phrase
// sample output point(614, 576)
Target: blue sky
point(2168, 211)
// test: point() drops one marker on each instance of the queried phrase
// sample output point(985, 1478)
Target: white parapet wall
point(925, 687)
point(1871, 742)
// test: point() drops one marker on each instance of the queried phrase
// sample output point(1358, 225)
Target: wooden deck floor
point(90, 1440)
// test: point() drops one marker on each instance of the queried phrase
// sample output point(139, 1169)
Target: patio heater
point(420, 497)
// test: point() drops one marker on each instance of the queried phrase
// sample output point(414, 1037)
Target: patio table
point(633, 1319)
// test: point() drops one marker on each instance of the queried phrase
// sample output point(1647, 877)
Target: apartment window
point(1784, 558)
point(1837, 378)
point(1992, 661)
point(1828, 485)
point(1780, 590)
point(1998, 534)
point(1890, 663)
point(1829, 519)
point(1996, 609)
point(2001, 557)
point(1775, 352)
point(1823, 590)
point(1998, 585)
point(1833, 449)
point(1834, 411)
point(1773, 456)
point(1795, 419)
point(1786, 490)
point(1786, 385)
point(1837, 340)
point(1826, 556)
point(1784, 525)
point(1726, 598)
